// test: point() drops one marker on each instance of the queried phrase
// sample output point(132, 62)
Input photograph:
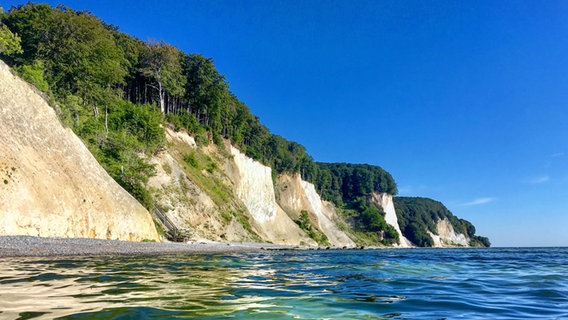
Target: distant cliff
point(50, 184)
point(428, 223)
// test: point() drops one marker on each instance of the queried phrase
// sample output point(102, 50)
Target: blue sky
point(465, 102)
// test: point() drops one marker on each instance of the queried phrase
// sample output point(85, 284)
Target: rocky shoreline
point(31, 246)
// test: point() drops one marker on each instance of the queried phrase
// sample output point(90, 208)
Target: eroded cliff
point(296, 195)
point(50, 184)
point(254, 186)
point(447, 236)
point(385, 201)
point(195, 193)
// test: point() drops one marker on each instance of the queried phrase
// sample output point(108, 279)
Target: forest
point(417, 215)
point(116, 91)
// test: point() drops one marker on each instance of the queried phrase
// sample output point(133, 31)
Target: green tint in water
point(371, 284)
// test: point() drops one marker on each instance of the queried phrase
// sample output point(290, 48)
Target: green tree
point(10, 43)
point(34, 74)
point(207, 93)
point(161, 63)
point(30, 23)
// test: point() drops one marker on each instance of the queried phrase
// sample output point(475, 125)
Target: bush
point(33, 74)
point(191, 160)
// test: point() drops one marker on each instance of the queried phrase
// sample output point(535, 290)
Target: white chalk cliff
point(296, 195)
point(253, 185)
point(447, 236)
point(385, 201)
point(50, 184)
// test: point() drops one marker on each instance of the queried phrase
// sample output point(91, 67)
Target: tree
point(29, 22)
point(161, 63)
point(207, 92)
point(10, 43)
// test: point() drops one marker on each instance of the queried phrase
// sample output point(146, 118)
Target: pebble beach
point(30, 246)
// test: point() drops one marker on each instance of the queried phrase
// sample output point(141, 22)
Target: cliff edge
point(50, 184)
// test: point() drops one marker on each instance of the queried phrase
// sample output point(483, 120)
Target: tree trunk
point(106, 120)
point(162, 97)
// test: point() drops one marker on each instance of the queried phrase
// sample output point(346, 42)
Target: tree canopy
point(417, 215)
point(10, 43)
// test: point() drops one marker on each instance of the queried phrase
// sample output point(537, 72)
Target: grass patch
point(202, 170)
point(227, 217)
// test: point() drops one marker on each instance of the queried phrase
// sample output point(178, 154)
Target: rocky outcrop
point(447, 236)
point(253, 185)
point(50, 184)
point(385, 201)
point(296, 195)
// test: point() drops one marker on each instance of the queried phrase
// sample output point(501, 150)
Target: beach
point(31, 246)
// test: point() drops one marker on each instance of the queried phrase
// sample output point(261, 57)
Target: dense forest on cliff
point(418, 215)
point(116, 92)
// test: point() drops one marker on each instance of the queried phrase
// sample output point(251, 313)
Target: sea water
point(496, 283)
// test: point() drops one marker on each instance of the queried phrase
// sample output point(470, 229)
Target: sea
point(494, 283)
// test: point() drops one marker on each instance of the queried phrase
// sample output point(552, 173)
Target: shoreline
point(34, 246)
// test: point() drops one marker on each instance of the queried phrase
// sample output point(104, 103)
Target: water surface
point(367, 284)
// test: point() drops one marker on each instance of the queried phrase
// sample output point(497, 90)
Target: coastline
point(33, 246)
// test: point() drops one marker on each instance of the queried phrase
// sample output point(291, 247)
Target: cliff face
point(252, 207)
point(296, 195)
point(179, 191)
point(386, 202)
point(447, 236)
point(253, 185)
point(50, 184)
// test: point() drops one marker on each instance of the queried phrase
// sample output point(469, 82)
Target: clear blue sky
point(465, 102)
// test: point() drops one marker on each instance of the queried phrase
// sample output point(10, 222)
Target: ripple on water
point(371, 284)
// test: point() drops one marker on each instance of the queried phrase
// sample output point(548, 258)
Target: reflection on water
point(418, 284)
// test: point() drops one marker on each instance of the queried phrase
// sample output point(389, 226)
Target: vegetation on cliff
point(350, 187)
point(417, 215)
point(116, 92)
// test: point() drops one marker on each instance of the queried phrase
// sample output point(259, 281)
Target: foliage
point(478, 241)
point(79, 52)
point(33, 73)
point(344, 182)
point(161, 63)
point(416, 233)
point(132, 129)
point(9, 42)
point(417, 215)
point(368, 217)
point(305, 224)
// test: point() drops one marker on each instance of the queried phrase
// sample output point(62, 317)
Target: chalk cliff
point(50, 184)
point(447, 236)
point(253, 207)
point(296, 195)
point(179, 191)
point(254, 186)
point(385, 201)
